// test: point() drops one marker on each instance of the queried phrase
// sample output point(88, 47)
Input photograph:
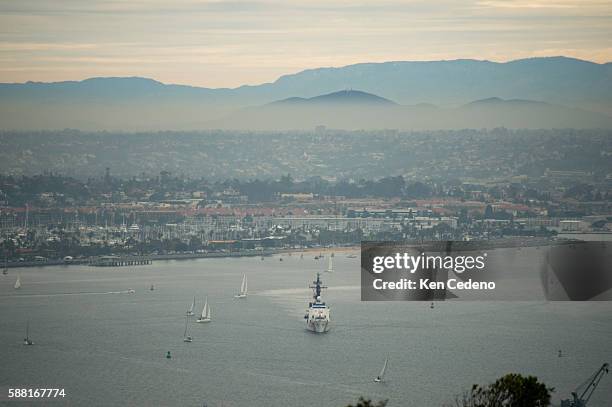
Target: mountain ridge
point(138, 103)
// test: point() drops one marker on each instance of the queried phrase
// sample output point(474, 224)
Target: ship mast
point(316, 288)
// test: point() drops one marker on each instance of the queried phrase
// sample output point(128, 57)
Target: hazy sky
point(219, 43)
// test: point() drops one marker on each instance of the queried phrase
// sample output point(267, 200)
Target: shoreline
point(188, 256)
point(502, 243)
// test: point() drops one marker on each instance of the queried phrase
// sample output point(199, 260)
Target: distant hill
point(367, 111)
point(145, 104)
point(343, 97)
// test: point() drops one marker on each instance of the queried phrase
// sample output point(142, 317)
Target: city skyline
point(233, 43)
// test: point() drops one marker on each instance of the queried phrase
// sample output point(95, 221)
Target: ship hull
point(318, 326)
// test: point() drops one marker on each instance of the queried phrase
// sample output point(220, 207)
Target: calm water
point(107, 348)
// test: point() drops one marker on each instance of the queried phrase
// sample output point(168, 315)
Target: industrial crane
point(589, 386)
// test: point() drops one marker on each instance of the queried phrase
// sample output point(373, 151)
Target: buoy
point(168, 355)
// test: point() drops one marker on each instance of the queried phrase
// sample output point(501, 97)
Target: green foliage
point(511, 390)
point(368, 403)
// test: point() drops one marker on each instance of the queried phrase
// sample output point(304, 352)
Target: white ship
point(317, 316)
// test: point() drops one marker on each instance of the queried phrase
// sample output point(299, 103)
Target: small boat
point(205, 316)
point(330, 265)
point(381, 375)
point(351, 256)
point(431, 306)
point(131, 291)
point(191, 308)
point(243, 288)
point(152, 288)
point(168, 355)
point(18, 283)
point(187, 338)
point(27, 340)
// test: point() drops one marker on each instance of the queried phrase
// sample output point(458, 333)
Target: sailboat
point(381, 375)
point(330, 265)
point(27, 340)
point(205, 316)
point(187, 338)
point(243, 288)
point(18, 283)
point(190, 310)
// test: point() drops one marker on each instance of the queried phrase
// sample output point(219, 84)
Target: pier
point(119, 261)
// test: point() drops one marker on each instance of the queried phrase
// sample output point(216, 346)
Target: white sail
point(205, 315)
point(330, 265)
point(190, 311)
point(206, 310)
point(244, 286)
point(18, 282)
point(27, 340)
point(381, 375)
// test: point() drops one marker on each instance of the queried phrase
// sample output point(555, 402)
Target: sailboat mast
point(384, 369)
